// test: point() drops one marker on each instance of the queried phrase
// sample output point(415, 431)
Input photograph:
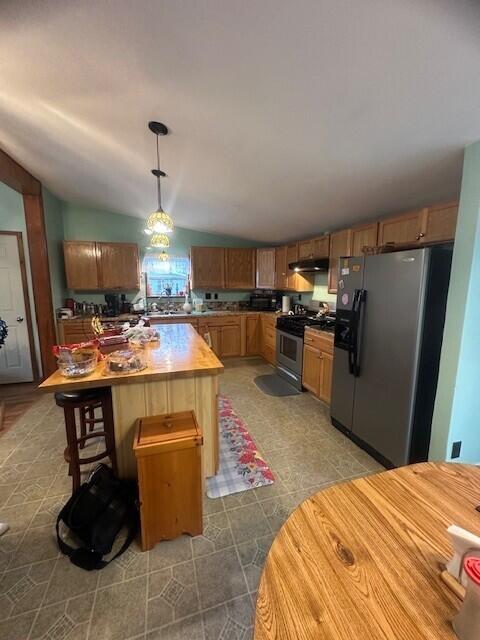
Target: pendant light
point(160, 241)
point(159, 221)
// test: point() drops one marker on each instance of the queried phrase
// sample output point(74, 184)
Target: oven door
point(290, 352)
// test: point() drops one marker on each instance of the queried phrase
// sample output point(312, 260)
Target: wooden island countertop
point(181, 375)
point(180, 351)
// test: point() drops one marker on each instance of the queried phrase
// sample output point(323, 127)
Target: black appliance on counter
point(266, 301)
point(113, 304)
point(290, 332)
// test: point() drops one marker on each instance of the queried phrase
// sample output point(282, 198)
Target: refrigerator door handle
point(352, 347)
point(359, 313)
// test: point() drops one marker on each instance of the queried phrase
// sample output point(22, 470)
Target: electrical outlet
point(215, 296)
point(456, 446)
point(208, 296)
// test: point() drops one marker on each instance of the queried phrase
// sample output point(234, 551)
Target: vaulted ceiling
point(287, 118)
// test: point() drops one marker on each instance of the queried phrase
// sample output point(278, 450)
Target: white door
point(15, 357)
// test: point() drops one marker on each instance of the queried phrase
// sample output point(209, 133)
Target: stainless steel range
point(290, 332)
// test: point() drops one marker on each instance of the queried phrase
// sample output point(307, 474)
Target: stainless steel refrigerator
point(388, 338)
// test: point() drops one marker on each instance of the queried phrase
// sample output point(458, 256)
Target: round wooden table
point(362, 560)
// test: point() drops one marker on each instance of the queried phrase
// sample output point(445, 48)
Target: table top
point(362, 560)
point(180, 351)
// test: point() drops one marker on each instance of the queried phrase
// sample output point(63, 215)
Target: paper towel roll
point(286, 304)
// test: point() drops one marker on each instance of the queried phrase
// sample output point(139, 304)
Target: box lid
point(167, 430)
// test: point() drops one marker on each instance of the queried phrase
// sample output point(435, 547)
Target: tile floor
point(197, 589)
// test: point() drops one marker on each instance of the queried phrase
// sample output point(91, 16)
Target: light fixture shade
point(163, 256)
point(160, 240)
point(160, 222)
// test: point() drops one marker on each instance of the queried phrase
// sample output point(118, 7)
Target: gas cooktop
point(295, 325)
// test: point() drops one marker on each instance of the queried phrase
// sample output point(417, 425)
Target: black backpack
point(95, 514)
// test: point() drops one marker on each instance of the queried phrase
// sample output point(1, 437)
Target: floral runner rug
point(241, 466)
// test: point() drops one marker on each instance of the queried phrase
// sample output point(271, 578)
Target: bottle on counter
point(467, 623)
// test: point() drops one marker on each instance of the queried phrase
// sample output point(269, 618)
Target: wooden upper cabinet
point(340, 243)
point(281, 268)
point(340, 246)
point(314, 248)
point(94, 266)
point(364, 235)
point(240, 268)
point(292, 256)
point(439, 223)
point(403, 229)
point(306, 249)
point(266, 268)
point(207, 267)
point(321, 247)
point(81, 268)
point(118, 265)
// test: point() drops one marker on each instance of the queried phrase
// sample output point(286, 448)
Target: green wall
point(85, 223)
point(55, 234)
point(457, 404)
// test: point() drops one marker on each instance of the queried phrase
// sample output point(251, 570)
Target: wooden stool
point(86, 402)
point(168, 449)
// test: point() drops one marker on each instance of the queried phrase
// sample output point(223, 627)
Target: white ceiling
point(287, 117)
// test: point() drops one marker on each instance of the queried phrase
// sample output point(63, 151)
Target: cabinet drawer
point(319, 340)
point(220, 321)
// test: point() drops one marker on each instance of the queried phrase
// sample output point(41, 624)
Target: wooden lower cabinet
point(326, 372)
point(311, 369)
point(231, 341)
point(318, 364)
point(168, 449)
point(268, 337)
point(252, 335)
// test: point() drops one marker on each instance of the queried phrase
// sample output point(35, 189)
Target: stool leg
point(83, 425)
point(107, 413)
point(71, 429)
point(91, 415)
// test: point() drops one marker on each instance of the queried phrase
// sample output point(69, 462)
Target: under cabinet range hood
point(311, 265)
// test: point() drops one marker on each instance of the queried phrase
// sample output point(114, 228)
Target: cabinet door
point(230, 341)
point(281, 268)
point(403, 229)
point(252, 338)
point(266, 268)
point(306, 249)
point(118, 265)
point(321, 247)
point(311, 369)
point(340, 243)
point(207, 267)
point(81, 265)
point(240, 269)
point(439, 223)
point(292, 256)
point(364, 236)
point(214, 337)
point(326, 370)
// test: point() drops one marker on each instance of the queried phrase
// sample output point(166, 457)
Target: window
point(167, 277)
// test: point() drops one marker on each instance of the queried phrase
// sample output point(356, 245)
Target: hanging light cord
point(159, 194)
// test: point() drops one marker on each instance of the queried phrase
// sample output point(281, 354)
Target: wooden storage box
point(169, 462)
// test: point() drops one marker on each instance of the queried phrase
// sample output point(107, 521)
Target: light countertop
point(179, 352)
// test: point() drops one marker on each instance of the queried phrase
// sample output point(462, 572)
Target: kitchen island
point(181, 375)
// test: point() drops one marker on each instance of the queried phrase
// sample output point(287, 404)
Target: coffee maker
point(113, 304)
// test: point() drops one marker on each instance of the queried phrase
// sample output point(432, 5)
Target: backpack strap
point(87, 558)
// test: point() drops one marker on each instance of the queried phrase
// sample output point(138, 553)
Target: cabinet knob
point(19, 319)
point(420, 235)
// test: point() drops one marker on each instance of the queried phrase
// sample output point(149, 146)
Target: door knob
point(19, 319)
